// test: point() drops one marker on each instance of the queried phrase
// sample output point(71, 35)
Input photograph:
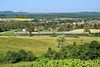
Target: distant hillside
point(10, 12)
point(90, 12)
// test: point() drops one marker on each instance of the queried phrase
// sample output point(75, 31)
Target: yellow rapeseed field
point(22, 19)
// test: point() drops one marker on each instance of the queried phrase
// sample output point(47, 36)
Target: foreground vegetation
point(56, 63)
point(84, 55)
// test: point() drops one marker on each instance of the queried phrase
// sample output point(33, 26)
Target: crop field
point(37, 44)
point(82, 30)
point(22, 19)
point(95, 30)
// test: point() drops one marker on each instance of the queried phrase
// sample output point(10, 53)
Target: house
point(65, 28)
point(74, 24)
point(25, 29)
point(57, 28)
point(91, 26)
point(92, 23)
point(44, 19)
point(38, 28)
point(79, 23)
point(51, 29)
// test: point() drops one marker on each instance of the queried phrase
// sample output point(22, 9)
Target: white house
point(25, 29)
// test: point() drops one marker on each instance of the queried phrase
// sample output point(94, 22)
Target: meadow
point(37, 44)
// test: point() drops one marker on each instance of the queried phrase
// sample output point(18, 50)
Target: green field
point(37, 44)
point(94, 21)
point(10, 32)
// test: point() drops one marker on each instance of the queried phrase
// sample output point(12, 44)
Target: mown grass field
point(37, 44)
point(82, 30)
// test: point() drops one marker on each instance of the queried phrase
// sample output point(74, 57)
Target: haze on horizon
point(50, 6)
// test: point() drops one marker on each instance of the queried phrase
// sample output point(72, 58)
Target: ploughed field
point(37, 44)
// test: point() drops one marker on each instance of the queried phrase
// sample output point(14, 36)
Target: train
point(52, 32)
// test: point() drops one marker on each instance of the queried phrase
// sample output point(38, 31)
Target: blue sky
point(50, 6)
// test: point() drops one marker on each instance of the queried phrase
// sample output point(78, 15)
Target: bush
point(30, 56)
point(96, 34)
point(21, 55)
point(1, 58)
point(12, 57)
point(84, 51)
point(49, 54)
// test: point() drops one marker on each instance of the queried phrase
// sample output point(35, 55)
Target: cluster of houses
point(91, 24)
point(57, 27)
point(42, 28)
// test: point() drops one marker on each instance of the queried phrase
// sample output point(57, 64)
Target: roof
point(26, 28)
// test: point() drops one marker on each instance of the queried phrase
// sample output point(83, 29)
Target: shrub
point(49, 54)
point(23, 54)
point(84, 51)
point(12, 57)
point(30, 56)
point(1, 58)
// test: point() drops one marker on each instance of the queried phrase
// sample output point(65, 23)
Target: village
point(63, 27)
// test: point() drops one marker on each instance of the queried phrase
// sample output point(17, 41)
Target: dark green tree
point(95, 25)
point(23, 54)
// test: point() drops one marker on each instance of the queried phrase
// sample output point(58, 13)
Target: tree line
point(7, 26)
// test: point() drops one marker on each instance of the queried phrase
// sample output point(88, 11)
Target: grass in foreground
point(37, 44)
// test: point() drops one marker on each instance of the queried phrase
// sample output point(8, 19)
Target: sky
point(50, 6)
